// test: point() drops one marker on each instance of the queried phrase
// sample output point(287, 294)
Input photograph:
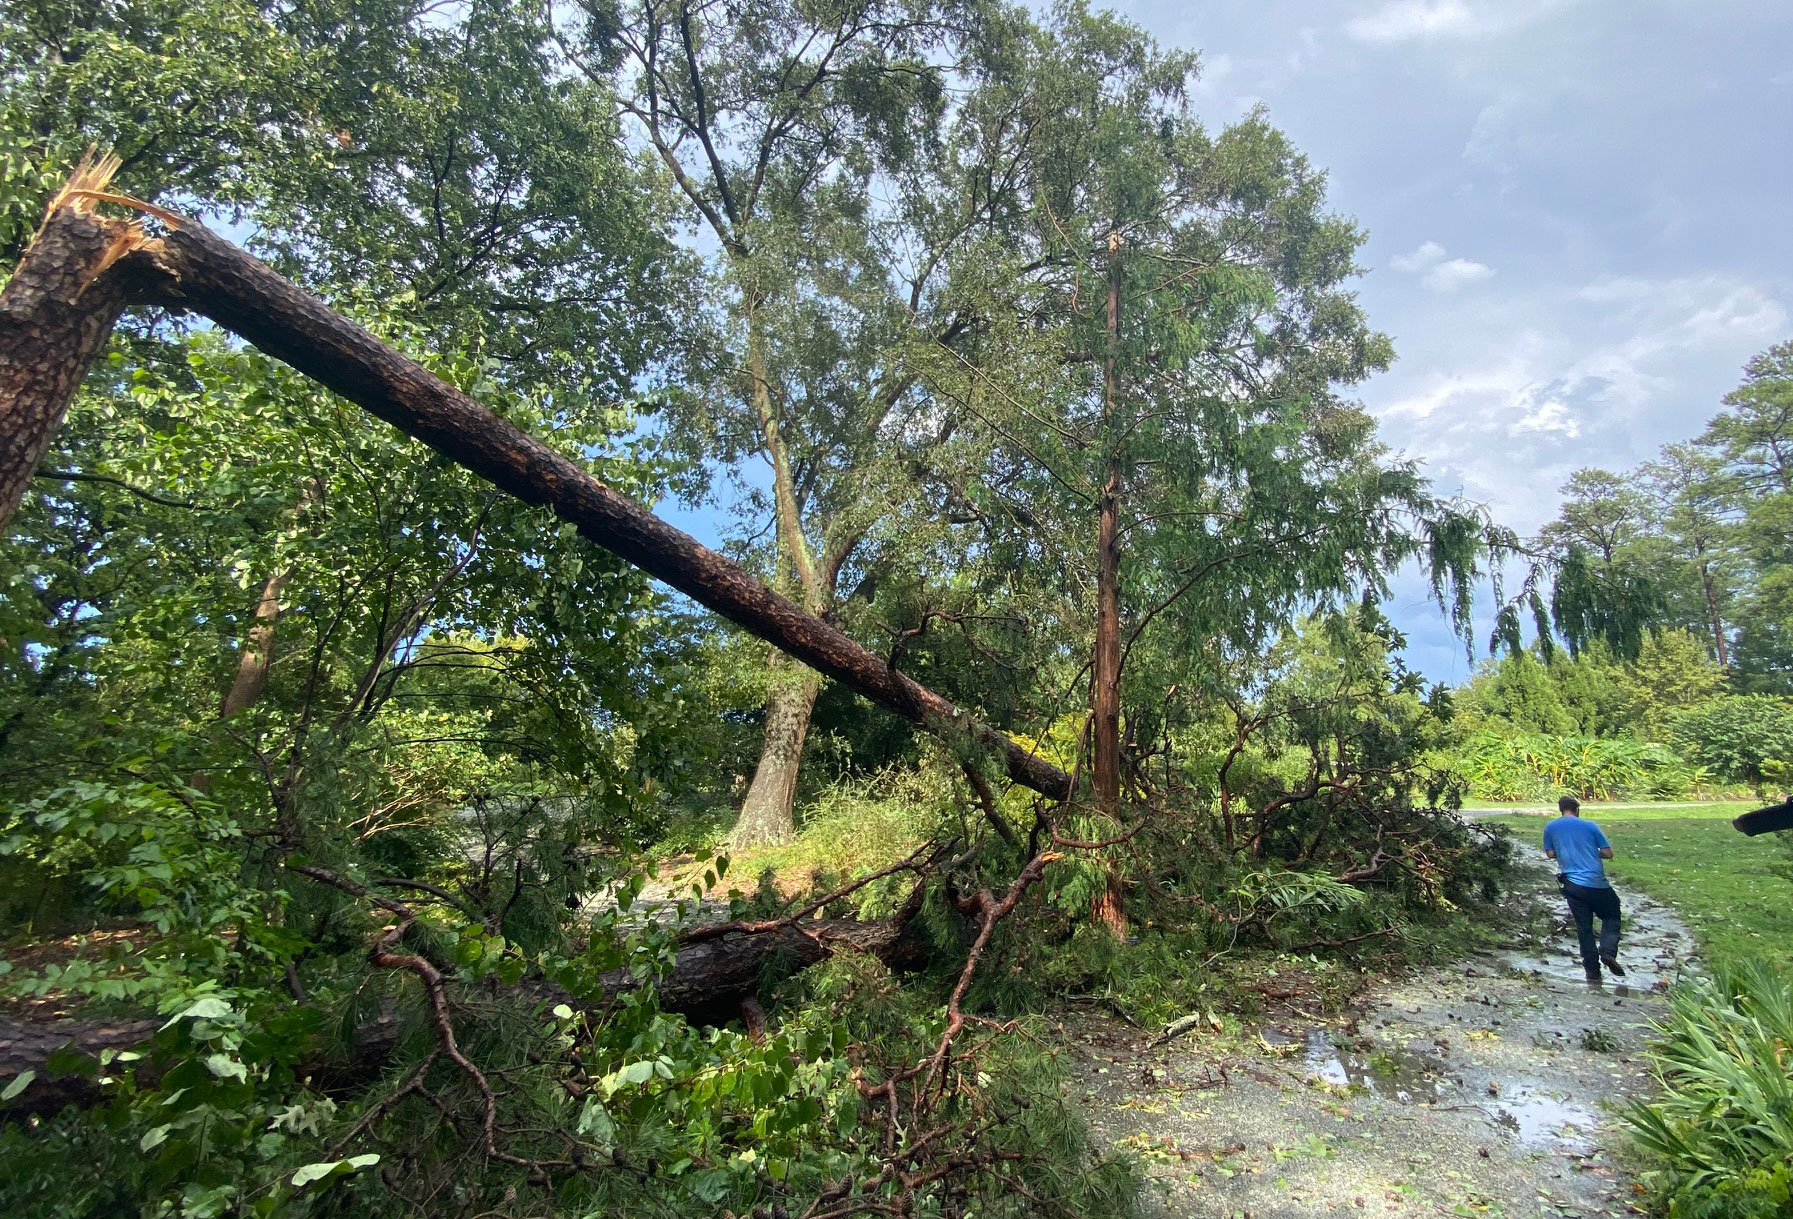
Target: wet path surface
point(1485, 1088)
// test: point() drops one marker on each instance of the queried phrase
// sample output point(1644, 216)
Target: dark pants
point(1584, 904)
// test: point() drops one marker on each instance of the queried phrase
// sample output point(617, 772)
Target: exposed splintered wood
point(55, 314)
point(82, 269)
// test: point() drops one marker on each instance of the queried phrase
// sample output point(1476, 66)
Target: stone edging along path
point(1481, 1088)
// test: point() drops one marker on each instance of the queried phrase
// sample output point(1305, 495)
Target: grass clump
point(1721, 1132)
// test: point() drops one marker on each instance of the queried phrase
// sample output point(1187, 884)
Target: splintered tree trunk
point(193, 269)
point(55, 315)
point(767, 815)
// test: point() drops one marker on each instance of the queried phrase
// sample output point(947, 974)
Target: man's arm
point(1606, 852)
point(1605, 846)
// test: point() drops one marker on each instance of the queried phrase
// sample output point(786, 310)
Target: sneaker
point(1613, 967)
point(1594, 979)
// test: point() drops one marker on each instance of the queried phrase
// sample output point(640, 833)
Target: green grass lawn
point(1722, 883)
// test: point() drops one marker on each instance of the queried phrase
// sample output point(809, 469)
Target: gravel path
point(1484, 1088)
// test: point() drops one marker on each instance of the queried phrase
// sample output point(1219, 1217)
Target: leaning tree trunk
point(768, 814)
point(193, 269)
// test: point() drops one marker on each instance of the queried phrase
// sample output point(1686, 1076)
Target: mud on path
point(1481, 1088)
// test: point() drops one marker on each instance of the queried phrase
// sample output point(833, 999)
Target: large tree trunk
point(258, 651)
point(55, 315)
point(1105, 663)
point(194, 269)
point(767, 815)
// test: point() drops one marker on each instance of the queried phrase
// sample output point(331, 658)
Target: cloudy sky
point(1580, 216)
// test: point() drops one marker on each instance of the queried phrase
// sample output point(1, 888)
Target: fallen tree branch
point(1356, 939)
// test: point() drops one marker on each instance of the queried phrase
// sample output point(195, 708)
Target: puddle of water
point(1407, 1078)
point(1542, 1119)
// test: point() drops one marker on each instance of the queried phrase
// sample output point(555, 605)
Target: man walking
point(1578, 846)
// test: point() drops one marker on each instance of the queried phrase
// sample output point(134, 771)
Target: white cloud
point(1506, 395)
point(1401, 21)
point(1429, 255)
point(1549, 416)
point(1439, 273)
point(1405, 20)
point(1457, 273)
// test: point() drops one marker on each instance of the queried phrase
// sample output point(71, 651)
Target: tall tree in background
point(1752, 440)
point(1692, 502)
point(1603, 585)
point(1159, 369)
point(807, 143)
point(1755, 436)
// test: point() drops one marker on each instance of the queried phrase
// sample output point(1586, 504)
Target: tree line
point(1670, 581)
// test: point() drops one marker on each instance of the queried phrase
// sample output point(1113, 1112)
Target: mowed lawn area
point(1724, 884)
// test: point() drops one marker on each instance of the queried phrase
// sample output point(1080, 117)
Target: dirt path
point(1482, 1088)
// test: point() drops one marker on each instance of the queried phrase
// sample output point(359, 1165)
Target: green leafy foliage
point(1534, 767)
point(1737, 736)
point(1719, 1134)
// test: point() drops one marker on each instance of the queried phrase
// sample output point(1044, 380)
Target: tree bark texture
point(1105, 663)
point(713, 976)
point(768, 813)
point(258, 651)
point(197, 270)
point(55, 315)
point(27, 1046)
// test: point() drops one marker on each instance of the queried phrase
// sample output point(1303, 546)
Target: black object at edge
point(1766, 820)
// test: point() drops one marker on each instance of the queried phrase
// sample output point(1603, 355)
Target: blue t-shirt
point(1577, 843)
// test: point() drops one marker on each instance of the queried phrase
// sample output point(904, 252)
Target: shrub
point(1735, 736)
point(1722, 1133)
point(1531, 766)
